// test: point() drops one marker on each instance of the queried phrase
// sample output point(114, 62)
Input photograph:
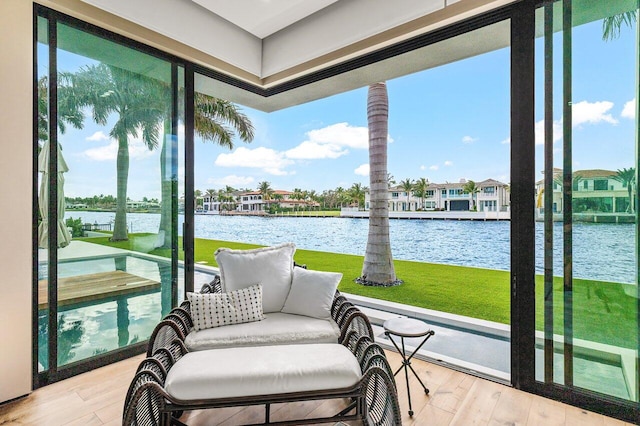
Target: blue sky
point(445, 124)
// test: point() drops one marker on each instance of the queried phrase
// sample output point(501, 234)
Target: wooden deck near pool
point(92, 287)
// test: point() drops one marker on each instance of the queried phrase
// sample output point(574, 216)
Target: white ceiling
point(269, 42)
point(266, 37)
point(266, 16)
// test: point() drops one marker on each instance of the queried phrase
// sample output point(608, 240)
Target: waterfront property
point(491, 196)
point(254, 202)
point(150, 71)
point(594, 191)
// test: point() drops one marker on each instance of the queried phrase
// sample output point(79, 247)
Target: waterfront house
point(493, 196)
point(270, 56)
point(594, 191)
point(253, 201)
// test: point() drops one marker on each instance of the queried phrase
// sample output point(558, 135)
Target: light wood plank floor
point(97, 397)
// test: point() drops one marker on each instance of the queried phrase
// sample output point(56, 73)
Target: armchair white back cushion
point(312, 293)
point(270, 266)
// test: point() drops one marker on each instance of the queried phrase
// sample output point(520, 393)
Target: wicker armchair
point(374, 397)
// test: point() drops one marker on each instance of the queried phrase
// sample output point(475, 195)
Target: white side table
point(413, 328)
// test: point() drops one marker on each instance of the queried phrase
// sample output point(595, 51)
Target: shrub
point(76, 227)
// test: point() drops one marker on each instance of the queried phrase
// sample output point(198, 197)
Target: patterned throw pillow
point(217, 309)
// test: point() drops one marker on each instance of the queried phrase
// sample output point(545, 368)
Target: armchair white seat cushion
point(276, 329)
point(271, 370)
point(270, 266)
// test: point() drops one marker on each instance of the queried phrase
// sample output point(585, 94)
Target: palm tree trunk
point(166, 187)
point(122, 166)
point(378, 262)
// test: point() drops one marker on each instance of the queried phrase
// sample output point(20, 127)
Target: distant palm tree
point(297, 194)
point(356, 194)
point(211, 194)
point(265, 190)
point(390, 179)
point(471, 188)
point(407, 187)
point(197, 199)
point(378, 268)
point(420, 190)
point(628, 179)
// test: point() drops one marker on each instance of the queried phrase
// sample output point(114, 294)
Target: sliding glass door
point(110, 137)
point(586, 291)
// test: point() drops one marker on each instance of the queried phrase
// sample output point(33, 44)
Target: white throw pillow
point(270, 266)
point(312, 293)
point(210, 310)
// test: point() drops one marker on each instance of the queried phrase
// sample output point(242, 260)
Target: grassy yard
point(603, 311)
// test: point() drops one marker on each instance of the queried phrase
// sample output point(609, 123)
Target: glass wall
point(112, 266)
point(586, 152)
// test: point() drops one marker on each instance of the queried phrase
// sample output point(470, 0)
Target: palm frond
point(612, 25)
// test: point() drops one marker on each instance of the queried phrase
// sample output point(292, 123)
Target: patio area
point(97, 398)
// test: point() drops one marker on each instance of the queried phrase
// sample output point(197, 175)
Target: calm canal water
point(601, 251)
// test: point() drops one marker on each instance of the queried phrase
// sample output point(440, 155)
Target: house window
point(489, 190)
point(395, 194)
point(600, 185)
point(430, 193)
point(585, 185)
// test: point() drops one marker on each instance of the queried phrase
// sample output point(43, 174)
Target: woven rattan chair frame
point(165, 332)
point(375, 396)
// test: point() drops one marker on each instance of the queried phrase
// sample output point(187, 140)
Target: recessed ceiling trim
point(449, 15)
point(266, 16)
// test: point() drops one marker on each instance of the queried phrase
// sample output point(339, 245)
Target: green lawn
point(603, 312)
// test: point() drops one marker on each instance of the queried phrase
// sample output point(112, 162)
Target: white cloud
point(629, 110)
point(592, 113)
point(313, 150)
point(423, 167)
point(362, 170)
point(232, 180)
point(267, 159)
point(434, 167)
point(448, 163)
point(507, 141)
point(539, 131)
point(469, 139)
point(341, 135)
point(137, 150)
point(97, 136)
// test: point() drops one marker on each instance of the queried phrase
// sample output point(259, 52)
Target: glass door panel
point(587, 251)
point(108, 219)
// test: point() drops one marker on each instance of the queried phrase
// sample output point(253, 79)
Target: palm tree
point(420, 190)
point(471, 188)
point(211, 195)
point(378, 268)
point(69, 111)
point(139, 104)
point(215, 120)
point(407, 187)
point(612, 25)
point(265, 190)
point(628, 179)
point(197, 199)
point(356, 193)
